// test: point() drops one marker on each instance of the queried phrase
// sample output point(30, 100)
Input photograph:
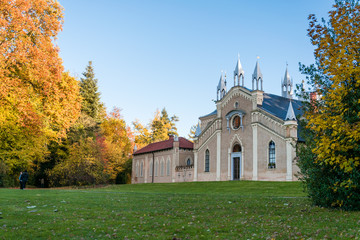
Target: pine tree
point(89, 91)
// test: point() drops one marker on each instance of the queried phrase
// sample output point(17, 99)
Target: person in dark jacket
point(23, 179)
point(20, 180)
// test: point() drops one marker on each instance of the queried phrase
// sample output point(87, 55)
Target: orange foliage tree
point(37, 98)
point(119, 143)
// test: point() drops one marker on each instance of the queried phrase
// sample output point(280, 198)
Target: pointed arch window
point(162, 168)
point(272, 156)
point(168, 167)
point(137, 170)
point(237, 148)
point(207, 160)
point(141, 168)
point(151, 168)
point(156, 168)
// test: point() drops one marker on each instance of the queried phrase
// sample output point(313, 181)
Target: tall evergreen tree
point(89, 91)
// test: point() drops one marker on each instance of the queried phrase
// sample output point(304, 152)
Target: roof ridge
point(164, 144)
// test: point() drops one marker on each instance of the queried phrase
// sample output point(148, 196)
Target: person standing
point(23, 179)
point(20, 180)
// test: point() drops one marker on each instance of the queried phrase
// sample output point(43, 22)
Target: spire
point(287, 76)
point(221, 88)
point(257, 76)
point(239, 73)
point(290, 115)
point(287, 85)
point(198, 130)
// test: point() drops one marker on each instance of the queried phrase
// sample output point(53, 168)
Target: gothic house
point(251, 135)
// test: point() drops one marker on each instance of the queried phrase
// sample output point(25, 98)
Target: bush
point(327, 186)
point(83, 167)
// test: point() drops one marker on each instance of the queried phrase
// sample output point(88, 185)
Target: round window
point(236, 122)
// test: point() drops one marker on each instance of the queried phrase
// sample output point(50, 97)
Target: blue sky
point(153, 54)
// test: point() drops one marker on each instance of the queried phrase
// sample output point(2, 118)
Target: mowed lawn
point(202, 210)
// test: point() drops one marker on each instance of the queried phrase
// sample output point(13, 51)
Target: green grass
point(211, 210)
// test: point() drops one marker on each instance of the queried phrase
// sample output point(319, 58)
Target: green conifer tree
point(89, 91)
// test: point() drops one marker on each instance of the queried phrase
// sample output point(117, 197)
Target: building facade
point(171, 160)
point(251, 135)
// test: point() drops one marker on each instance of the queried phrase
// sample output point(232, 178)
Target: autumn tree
point(169, 122)
point(330, 159)
point(118, 144)
point(34, 91)
point(83, 133)
point(159, 129)
point(192, 132)
point(84, 166)
point(38, 101)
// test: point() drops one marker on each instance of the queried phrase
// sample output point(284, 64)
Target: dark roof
point(278, 106)
point(210, 114)
point(164, 145)
point(275, 105)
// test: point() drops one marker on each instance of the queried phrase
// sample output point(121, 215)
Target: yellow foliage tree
point(336, 121)
point(333, 170)
point(37, 99)
point(117, 144)
point(159, 129)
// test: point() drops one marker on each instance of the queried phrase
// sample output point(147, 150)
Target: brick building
point(251, 135)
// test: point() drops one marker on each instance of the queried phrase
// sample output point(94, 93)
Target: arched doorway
point(236, 162)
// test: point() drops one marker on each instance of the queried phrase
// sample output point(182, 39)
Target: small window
point(236, 105)
point(272, 160)
point(207, 161)
point(141, 169)
point(188, 162)
point(236, 122)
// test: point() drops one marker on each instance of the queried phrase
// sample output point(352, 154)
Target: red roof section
point(164, 145)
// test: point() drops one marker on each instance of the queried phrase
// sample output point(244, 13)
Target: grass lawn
point(210, 210)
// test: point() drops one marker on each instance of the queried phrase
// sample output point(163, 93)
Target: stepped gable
point(165, 145)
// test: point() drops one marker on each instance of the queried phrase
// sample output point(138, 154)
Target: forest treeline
point(51, 124)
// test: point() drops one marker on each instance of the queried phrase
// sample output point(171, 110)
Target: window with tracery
point(272, 159)
point(207, 161)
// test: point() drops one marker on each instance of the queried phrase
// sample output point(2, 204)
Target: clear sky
point(148, 55)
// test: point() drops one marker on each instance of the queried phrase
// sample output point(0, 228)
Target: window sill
point(271, 169)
